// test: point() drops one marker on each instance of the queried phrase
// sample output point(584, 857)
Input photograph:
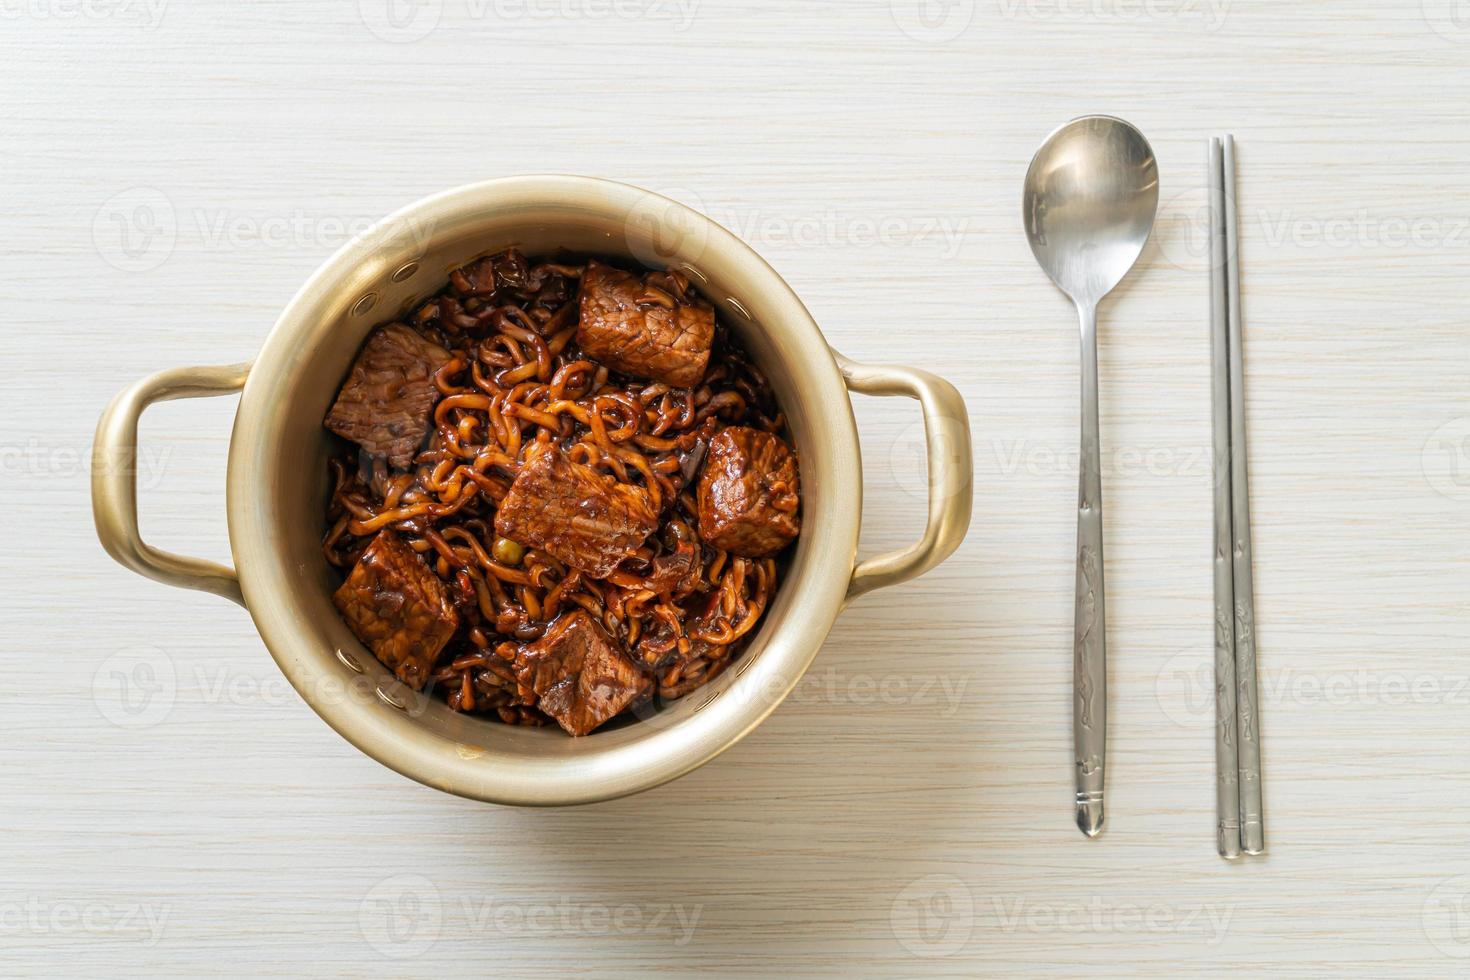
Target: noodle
point(515, 382)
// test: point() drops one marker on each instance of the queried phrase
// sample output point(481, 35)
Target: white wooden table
point(171, 173)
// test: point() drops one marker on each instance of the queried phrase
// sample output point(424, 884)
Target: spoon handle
point(1090, 676)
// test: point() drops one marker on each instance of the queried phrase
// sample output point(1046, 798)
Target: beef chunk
point(748, 495)
point(636, 326)
point(581, 517)
point(384, 406)
point(398, 608)
point(482, 277)
point(576, 674)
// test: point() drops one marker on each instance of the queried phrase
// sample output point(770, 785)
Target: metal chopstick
point(1252, 822)
point(1227, 786)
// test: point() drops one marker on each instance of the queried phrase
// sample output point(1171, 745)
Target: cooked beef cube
point(398, 608)
point(475, 279)
point(482, 277)
point(636, 327)
point(581, 517)
point(748, 495)
point(577, 674)
point(384, 406)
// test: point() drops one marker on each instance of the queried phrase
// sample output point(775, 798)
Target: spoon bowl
point(1090, 199)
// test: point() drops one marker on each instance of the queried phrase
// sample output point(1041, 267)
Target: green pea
point(507, 552)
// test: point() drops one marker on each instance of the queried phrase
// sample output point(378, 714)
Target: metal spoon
point(1090, 199)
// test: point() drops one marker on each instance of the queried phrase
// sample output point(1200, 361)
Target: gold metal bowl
point(278, 487)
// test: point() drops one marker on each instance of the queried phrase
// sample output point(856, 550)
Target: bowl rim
point(390, 736)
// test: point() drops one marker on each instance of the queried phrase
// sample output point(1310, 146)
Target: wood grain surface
point(170, 173)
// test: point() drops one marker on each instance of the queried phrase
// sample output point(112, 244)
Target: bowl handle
point(951, 476)
point(115, 478)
